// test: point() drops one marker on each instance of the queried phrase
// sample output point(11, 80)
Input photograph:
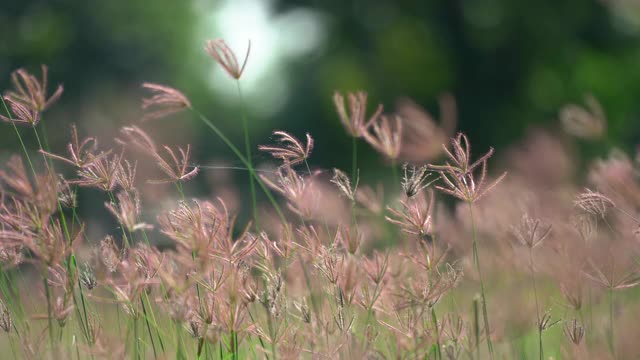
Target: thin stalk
point(435, 324)
point(535, 295)
point(246, 163)
point(476, 326)
point(136, 342)
point(259, 337)
point(247, 146)
point(611, 323)
point(47, 291)
point(354, 156)
point(153, 343)
point(476, 260)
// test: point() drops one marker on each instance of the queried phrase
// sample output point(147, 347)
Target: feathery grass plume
point(530, 232)
point(372, 200)
point(164, 101)
point(307, 195)
point(176, 168)
point(81, 153)
point(88, 277)
point(422, 138)
point(195, 227)
point(101, 173)
point(354, 118)
point(292, 151)
point(458, 172)
point(574, 331)
point(413, 182)
point(415, 216)
point(610, 277)
point(127, 210)
point(594, 203)
point(110, 254)
point(344, 184)
point(22, 115)
point(224, 56)
point(41, 193)
point(179, 169)
point(32, 92)
point(385, 135)
point(586, 123)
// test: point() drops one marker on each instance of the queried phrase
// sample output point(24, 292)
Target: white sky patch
point(276, 40)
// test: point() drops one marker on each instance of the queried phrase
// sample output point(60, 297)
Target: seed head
point(529, 232)
point(586, 123)
point(32, 92)
point(344, 184)
point(594, 203)
point(386, 135)
point(164, 101)
point(88, 277)
point(292, 151)
point(458, 172)
point(224, 56)
point(354, 120)
point(22, 115)
point(414, 178)
point(574, 331)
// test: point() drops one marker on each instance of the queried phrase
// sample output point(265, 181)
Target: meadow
point(441, 259)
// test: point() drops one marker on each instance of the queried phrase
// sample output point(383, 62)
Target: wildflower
point(223, 55)
point(594, 203)
point(31, 92)
point(458, 175)
point(415, 216)
point(527, 232)
point(292, 150)
point(589, 123)
point(413, 182)
point(344, 184)
point(355, 121)
point(386, 137)
point(127, 210)
point(574, 331)
point(165, 101)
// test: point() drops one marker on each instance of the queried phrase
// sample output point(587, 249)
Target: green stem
point(535, 295)
point(476, 260)
point(247, 146)
point(435, 324)
point(354, 157)
point(47, 292)
point(245, 162)
point(611, 324)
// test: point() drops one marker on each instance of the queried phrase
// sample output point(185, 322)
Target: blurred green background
point(510, 64)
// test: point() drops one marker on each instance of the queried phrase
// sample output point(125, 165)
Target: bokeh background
point(510, 65)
